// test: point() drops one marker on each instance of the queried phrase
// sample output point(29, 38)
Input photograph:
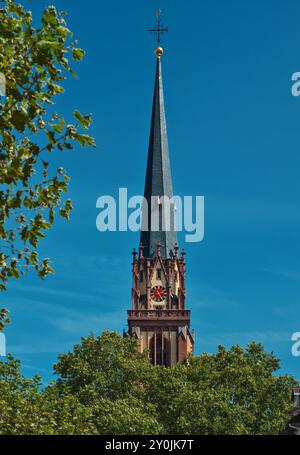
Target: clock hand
point(160, 293)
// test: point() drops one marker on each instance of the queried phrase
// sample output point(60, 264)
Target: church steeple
point(158, 318)
point(158, 177)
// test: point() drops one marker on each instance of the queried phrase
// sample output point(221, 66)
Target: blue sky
point(234, 137)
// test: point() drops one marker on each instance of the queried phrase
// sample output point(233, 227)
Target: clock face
point(158, 293)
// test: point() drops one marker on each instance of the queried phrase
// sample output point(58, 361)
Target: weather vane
point(159, 29)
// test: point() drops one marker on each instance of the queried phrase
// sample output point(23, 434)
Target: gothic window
point(160, 352)
point(141, 275)
point(174, 301)
point(158, 274)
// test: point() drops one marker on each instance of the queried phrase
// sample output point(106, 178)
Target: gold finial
point(158, 13)
point(159, 52)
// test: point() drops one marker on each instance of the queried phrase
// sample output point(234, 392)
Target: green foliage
point(125, 416)
point(231, 392)
point(34, 62)
point(26, 409)
point(108, 366)
point(105, 386)
point(4, 319)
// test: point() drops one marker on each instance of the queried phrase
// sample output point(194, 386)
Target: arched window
point(174, 301)
point(160, 351)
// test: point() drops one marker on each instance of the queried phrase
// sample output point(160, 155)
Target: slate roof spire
point(158, 177)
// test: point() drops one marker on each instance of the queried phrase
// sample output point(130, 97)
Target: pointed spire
point(158, 176)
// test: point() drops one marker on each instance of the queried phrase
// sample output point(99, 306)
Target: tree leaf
point(78, 53)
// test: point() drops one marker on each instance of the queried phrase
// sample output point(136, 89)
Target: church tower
point(158, 317)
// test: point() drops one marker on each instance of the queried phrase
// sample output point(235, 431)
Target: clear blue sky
point(234, 137)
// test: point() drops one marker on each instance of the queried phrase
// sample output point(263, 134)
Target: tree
point(234, 391)
point(109, 366)
point(231, 392)
point(34, 61)
point(108, 374)
point(105, 386)
point(100, 392)
point(27, 409)
point(126, 416)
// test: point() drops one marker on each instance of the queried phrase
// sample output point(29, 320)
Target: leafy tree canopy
point(105, 386)
point(34, 62)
